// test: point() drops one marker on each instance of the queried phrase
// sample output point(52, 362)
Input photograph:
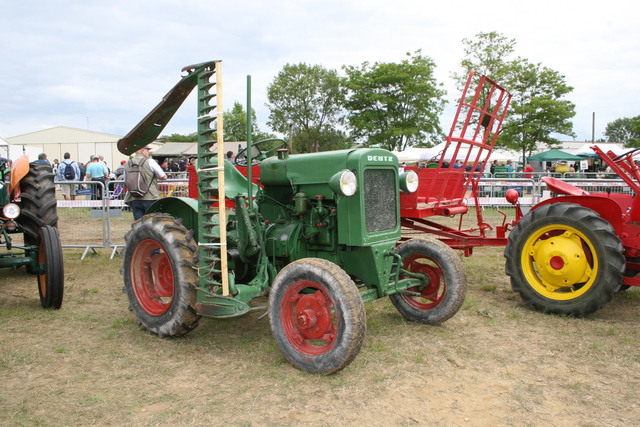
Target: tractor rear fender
point(19, 170)
point(179, 207)
point(609, 207)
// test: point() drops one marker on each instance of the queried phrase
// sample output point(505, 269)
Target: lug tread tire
point(38, 201)
point(181, 249)
point(604, 239)
point(348, 305)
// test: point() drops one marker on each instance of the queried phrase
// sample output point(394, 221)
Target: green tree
point(539, 109)
point(625, 130)
point(487, 54)
point(395, 105)
point(177, 137)
point(306, 100)
point(235, 125)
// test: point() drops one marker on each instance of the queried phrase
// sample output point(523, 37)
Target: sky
point(103, 65)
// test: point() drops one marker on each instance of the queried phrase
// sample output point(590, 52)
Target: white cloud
point(64, 61)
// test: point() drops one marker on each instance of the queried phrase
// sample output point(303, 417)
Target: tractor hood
point(318, 168)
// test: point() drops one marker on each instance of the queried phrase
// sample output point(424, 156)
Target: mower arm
point(150, 127)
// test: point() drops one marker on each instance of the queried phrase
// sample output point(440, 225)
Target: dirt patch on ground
point(495, 363)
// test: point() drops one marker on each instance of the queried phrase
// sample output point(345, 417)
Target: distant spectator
point(120, 170)
point(230, 155)
point(509, 166)
point(97, 171)
point(493, 167)
point(527, 171)
point(68, 190)
point(151, 171)
point(42, 158)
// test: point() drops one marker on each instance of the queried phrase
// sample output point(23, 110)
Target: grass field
point(496, 363)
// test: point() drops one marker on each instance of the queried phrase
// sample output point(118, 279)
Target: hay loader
point(319, 237)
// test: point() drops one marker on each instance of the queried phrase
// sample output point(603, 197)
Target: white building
point(80, 144)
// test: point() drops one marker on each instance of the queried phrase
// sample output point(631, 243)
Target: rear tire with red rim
point(160, 274)
point(316, 315)
point(445, 287)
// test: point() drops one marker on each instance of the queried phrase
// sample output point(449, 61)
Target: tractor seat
point(235, 184)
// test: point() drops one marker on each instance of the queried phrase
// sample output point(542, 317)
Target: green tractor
point(320, 236)
point(29, 206)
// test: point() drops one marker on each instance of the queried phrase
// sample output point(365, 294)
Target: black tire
point(628, 272)
point(51, 280)
point(38, 202)
point(316, 315)
point(445, 286)
point(548, 239)
point(160, 274)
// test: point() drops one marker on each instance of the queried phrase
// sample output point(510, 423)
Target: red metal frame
point(443, 188)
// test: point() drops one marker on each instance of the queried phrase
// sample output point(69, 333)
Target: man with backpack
point(141, 175)
point(68, 170)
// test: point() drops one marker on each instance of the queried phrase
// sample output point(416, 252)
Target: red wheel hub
point(308, 318)
point(433, 292)
point(152, 277)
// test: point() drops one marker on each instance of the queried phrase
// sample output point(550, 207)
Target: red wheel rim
point(432, 294)
point(309, 319)
point(152, 277)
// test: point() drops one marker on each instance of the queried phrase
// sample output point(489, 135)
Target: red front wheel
point(443, 283)
point(317, 316)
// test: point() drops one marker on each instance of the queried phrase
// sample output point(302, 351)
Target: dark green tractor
point(319, 237)
point(29, 206)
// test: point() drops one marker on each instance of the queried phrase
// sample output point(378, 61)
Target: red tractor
point(569, 254)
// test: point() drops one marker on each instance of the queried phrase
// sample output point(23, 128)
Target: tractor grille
point(380, 200)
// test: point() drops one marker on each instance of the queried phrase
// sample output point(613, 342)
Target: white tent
point(415, 154)
point(586, 151)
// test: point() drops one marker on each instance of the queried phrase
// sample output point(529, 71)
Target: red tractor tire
point(317, 315)
point(160, 274)
point(443, 294)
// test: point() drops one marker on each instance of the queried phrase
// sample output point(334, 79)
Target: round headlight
point(344, 182)
point(409, 181)
point(11, 211)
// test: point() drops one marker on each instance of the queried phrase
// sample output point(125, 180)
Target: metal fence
point(95, 223)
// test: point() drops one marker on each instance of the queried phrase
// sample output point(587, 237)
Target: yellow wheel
point(563, 258)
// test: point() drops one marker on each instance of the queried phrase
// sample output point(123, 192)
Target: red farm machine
point(569, 254)
point(319, 236)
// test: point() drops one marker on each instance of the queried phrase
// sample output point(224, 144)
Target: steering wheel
point(259, 151)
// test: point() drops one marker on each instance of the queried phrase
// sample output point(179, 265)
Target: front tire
point(51, 280)
point(445, 284)
point(316, 315)
point(160, 274)
point(564, 258)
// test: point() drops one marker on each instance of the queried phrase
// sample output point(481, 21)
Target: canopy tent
point(553, 155)
point(415, 154)
point(586, 151)
point(176, 149)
